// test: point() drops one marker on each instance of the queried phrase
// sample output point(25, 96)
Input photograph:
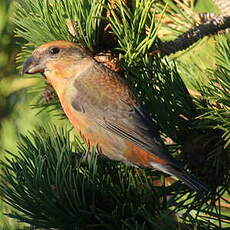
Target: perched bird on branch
point(104, 109)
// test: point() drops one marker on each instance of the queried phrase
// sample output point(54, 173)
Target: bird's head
point(55, 58)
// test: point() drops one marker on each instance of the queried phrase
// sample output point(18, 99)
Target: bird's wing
point(110, 103)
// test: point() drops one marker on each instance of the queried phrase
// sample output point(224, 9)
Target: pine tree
point(55, 182)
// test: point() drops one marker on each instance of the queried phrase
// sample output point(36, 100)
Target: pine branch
point(187, 39)
point(207, 150)
point(216, 94)
point(54, 183)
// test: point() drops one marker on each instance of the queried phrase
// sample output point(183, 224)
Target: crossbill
point(104, 109)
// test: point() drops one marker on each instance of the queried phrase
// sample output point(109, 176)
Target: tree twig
point(187, 39)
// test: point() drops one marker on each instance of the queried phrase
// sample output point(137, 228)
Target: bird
point(104, 109)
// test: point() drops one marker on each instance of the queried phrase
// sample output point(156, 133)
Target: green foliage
point(130, 25)
point(86, 15)
point(54, 182)
point(181, 17)
point(213, 106)
point(51, 20)
point(206, 6)
point(7, 44)
point(30, 17)
point(216, 93)
point(8, 97)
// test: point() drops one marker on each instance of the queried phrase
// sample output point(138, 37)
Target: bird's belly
point(107, 143)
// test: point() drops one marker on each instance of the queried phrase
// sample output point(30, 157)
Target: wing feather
point(123, 117)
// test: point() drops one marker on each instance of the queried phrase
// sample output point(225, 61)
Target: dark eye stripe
point(54, 50)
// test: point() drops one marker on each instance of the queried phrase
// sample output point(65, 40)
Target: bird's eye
point(54, 50)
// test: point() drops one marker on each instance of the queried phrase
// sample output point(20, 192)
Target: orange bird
point(103, 108)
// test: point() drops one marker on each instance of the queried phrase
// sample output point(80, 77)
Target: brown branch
point(187, 39)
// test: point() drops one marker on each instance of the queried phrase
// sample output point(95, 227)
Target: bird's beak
point(31, 66)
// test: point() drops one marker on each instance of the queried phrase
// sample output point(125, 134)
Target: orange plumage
point(103, 108)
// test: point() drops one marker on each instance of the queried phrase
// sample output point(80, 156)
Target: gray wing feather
point(130, 122)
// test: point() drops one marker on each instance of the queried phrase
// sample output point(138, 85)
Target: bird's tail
point(191, 181)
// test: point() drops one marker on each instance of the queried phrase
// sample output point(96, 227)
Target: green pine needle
point(54, 183)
